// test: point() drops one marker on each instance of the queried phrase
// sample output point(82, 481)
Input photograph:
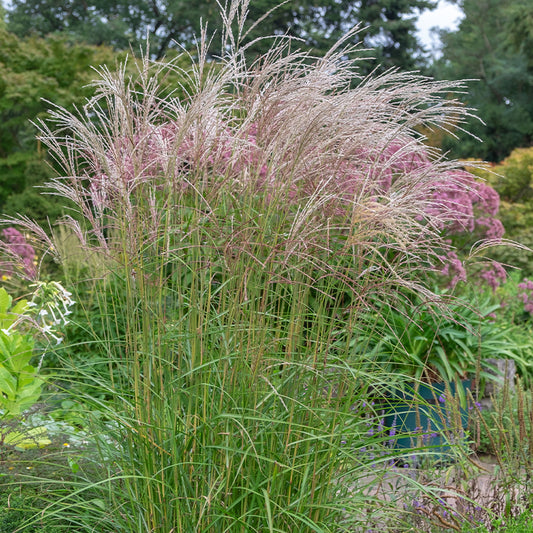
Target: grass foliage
point(223, 248)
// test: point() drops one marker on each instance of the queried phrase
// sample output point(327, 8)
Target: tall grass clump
point(223, 245)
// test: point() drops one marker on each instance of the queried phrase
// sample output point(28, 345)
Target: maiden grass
point(231, 253)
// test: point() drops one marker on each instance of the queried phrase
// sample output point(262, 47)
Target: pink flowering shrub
point(453, 269)
point(526, 295)
point(249, 156)
point(473, 203)
point(494, 275)
point(20, 255)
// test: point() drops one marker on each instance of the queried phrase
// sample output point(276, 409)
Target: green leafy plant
point(17, 506)
point(25, 439)
point(20, 386)
point(436, 341)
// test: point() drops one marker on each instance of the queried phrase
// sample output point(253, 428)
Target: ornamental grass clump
point(241, 224)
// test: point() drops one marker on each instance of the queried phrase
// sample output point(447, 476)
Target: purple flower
point(493, 227)
point(20, 253)
point(494, 275)
point(527, 295)
point(453, 268)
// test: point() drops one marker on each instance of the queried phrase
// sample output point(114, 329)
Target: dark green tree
point(520, 23)
point(485, 48)
point(391, 23)
point(34, 71)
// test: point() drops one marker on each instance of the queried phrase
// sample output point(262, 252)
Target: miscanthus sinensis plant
point(241, 224)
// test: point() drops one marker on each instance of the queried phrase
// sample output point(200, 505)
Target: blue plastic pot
point(426, 417)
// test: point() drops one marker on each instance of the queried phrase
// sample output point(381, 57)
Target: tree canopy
point(34, 71)
point(390, 24)
point(490, 47)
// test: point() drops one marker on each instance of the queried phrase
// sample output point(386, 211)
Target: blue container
point(430, 417)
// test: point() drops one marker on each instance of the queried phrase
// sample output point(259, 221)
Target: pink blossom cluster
point(492, 227)
point(473, 206)
point(453, 269)
point(526, 296)
point(246, 155)
point(493, 275)
point(456, 201)
point(15, 244)
point(470, 205)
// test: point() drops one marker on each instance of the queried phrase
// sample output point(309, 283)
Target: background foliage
point(34, 71)
point(168, 22)
point(500, 65)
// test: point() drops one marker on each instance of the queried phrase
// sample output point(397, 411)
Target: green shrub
point(513, 180)
point(514, 176)
point(17, 507)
